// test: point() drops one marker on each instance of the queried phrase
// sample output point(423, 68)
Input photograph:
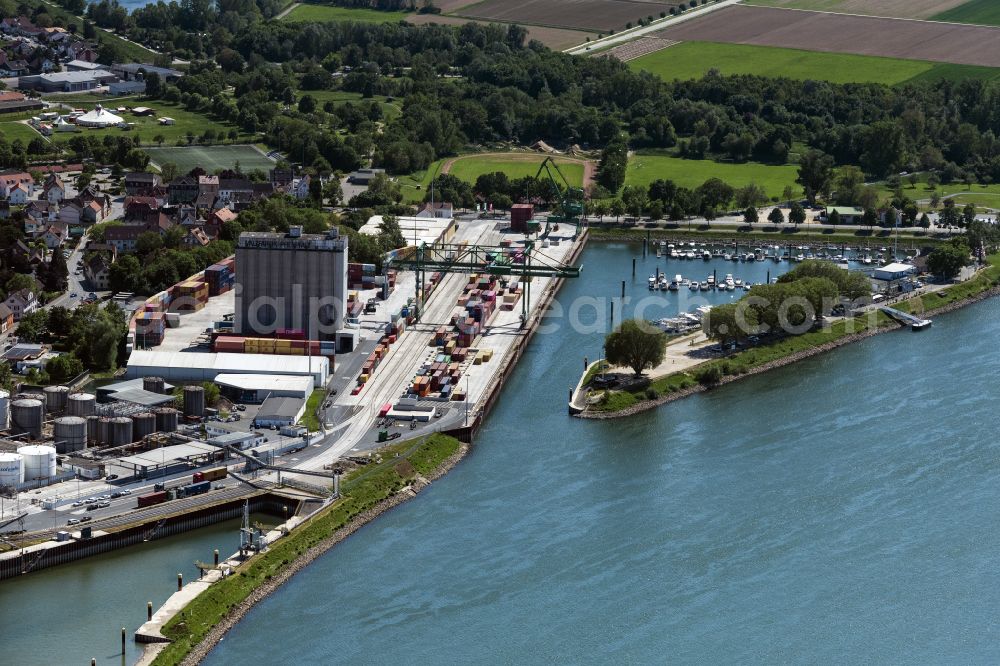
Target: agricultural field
point(644, 168)
point(556, 39)
point(212, 158)
point(588, 15)
point(323, 13)
point(912, 9)
point(14, 130)
point(983, 12)
point(148, 128)
point(691, 60)
point(842, 33)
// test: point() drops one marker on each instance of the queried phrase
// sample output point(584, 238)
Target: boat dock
point(915, 323)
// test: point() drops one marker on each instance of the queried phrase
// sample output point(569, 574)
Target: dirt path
point(286, 11)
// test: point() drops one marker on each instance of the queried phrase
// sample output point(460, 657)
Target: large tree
point(635, 345)
point(815, 173)
point(948, 260)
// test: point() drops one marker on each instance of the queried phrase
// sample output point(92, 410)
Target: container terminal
point(421, 346)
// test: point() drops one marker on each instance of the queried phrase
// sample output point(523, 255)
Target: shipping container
point(151, 499)
point(210, 474)
point(194, 489)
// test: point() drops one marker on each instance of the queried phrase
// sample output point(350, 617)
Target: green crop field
point(644, 168)
point(211, 158)
point(982, 12)
point(323, 13)
point(12, 130)
point(690, 60)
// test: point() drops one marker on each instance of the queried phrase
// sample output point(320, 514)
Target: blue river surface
point(841, 509)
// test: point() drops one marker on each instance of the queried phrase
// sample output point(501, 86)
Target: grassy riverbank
point(790, 349)
point(362, 491)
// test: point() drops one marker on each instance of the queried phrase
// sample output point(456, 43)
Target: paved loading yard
point(394, 374)
point(840, 33)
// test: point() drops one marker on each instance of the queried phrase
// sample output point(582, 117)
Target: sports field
point(211, 158)
point(645, 168)
point(918, 9)
point(691, 60)
point(983, 12)
point(323, 13)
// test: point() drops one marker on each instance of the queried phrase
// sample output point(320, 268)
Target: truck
point(151, 499)
point(194, 489)
point(210, 475)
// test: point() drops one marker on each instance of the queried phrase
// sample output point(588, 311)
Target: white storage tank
point(81, 404)
point(4, 410)
point(70, 433)
point(39, 461)
point(11, 469)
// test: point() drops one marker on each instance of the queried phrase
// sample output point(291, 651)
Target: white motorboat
point(694, 286)
point(706, 255)
point(652, 282)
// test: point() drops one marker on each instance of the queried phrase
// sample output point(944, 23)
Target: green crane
point(569, 201)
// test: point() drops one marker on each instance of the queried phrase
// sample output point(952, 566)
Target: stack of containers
point(149, 328)
point(221, 277)
point(327, 348)
point(190, 296)
point(230, 344)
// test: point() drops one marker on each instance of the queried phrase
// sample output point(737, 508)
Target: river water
point(843, 508)
point(74, 612)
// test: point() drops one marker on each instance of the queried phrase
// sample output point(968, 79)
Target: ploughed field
point(591, 15)
point(841, 33)
point(914, 9)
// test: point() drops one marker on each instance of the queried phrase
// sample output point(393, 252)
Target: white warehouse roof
point(297, 386)
point(894, 271)
point(206, 366)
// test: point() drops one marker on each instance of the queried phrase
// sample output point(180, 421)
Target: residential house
point(442, 211)
point(21, 303)
point(11, 179)
point(208, 185)
point(139, 182)
point(70, 212)
point(55, 236)
point(6, 318)
point(230, 189)
point(282, 177)
point(54, 189)
point(15, 68)
point(216, 220)
point(97, 271)
point(141, 210)
point(30, 254)
point(183, 189)
point(196, 237)
point(300, 189)
point(124, 237)
point(18, 195)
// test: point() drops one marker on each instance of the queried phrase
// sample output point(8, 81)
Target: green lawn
point(983, 12)
point(691, 60)
point(211, 158)
point(63, 18)
point(517, 165)
point(14, 130)
point(470, 167)
point(644, 168)
point(389, 109)
point(147, 126)
point(321, 13)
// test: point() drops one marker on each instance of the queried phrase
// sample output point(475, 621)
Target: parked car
point(112, 477)
point(86, 519)
point(103, 505)
point(73, 521)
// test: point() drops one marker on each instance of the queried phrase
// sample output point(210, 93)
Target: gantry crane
point(568, 202)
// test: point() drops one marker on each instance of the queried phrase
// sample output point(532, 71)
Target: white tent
point(99, 117)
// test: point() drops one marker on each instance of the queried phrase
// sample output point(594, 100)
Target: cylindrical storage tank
point(81, 404)
point(39, 461)
point(11, 469)
point(4, 410)
point(27, 415)
point(166, 419)
point(143, 424)
point(121, 431)
point(70, 433)
point(31, 396)
point(194, 401)
point(55, 398)
point(154, 384)
point(93, 430)
point(104, 431)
